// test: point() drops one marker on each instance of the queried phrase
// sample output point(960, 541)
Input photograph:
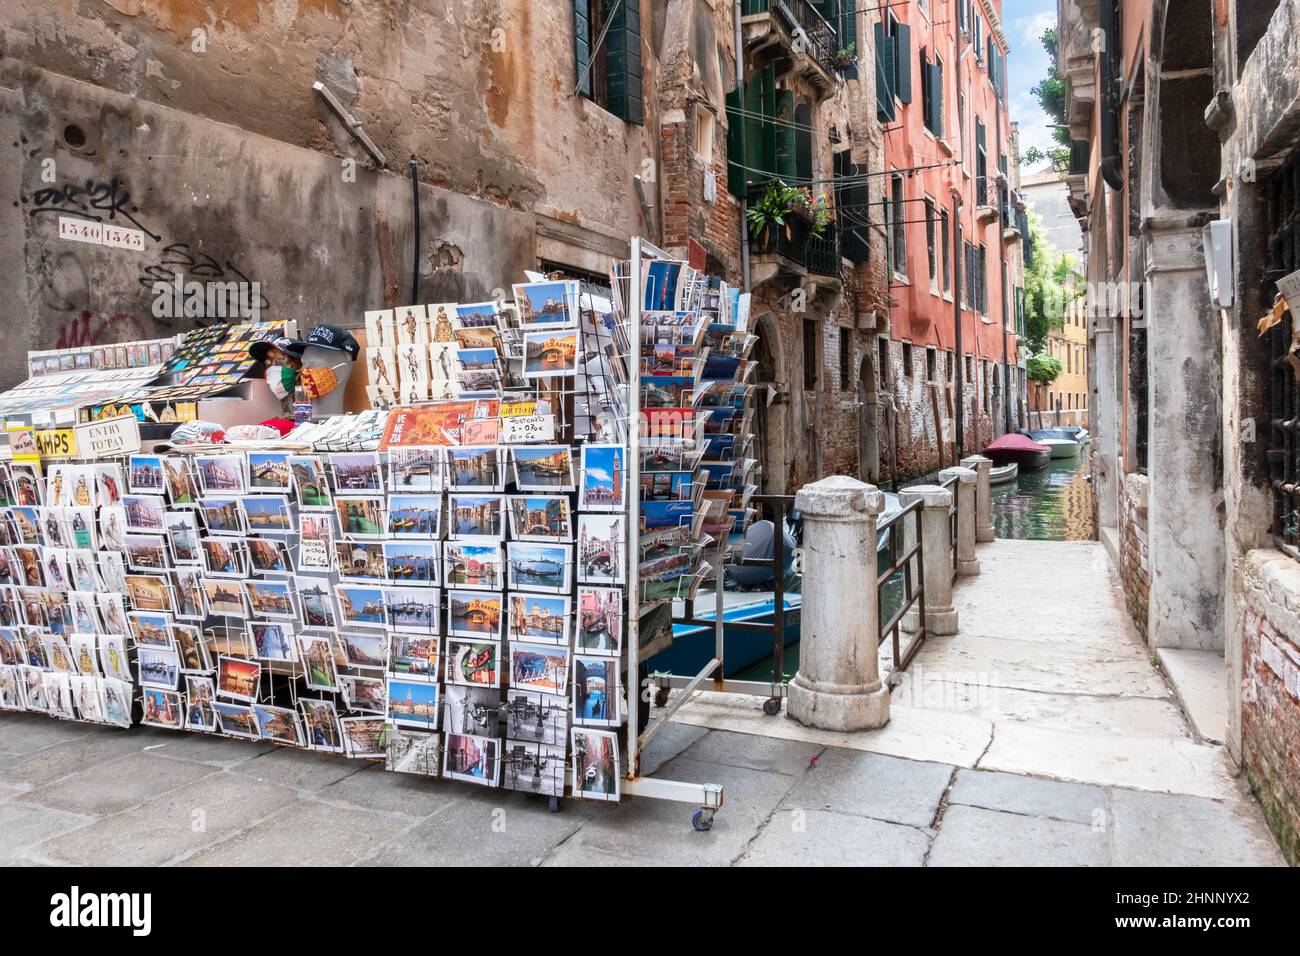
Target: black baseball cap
point(291, 347)
point(333, 337)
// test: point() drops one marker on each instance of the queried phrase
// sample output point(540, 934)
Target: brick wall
point(1133, 560)
point(1270, 710)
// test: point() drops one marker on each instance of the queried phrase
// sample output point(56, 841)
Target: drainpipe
point(1112, 169)
point(415, 214)
point(744, 202)
point(957, 264)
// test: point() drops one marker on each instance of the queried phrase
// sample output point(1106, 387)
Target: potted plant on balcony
point(771, 209)
point(845, 56)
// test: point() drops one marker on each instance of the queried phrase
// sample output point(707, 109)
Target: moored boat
point(1019, 450)
point(1061, 442)
point(1000, 476)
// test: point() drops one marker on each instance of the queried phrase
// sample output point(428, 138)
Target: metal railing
point(905, 562)
point(824, 254)
point(800, 17)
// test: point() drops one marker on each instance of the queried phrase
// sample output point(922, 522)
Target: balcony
point(791, 252)
point(771, 29)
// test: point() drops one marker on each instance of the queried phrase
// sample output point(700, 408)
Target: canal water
point(1046, 504)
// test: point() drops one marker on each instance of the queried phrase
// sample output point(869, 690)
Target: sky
point(1024, 21)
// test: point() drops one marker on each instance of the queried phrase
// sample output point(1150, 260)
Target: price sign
point(533, 429)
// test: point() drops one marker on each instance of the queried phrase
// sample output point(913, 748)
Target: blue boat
point(693, 644)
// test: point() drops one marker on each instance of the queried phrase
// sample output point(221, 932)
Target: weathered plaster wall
point(219, 203)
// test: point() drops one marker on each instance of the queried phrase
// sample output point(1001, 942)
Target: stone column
point(967, 479)
point(838, 684)
point(936, 559)
point(983, 497)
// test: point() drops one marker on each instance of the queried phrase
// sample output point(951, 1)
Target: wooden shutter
point(884, 75)
point(786, 166)
point(903, 61)
point(582, 45)
point(623, 61)
point(936, 93)
point(848, 35)
point(852, 207)
point(735, 145)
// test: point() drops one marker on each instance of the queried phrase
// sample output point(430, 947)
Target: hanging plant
point(771, 208)
point(844, 57)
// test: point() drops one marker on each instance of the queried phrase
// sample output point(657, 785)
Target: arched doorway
point(868, 423)
point(769, 416)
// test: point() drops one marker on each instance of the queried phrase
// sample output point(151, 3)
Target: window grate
point(1284, 399)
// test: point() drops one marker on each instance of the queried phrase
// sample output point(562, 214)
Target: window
point(610, 74)
point(944, 254)
point(810, 350)
point(982, 281)
point(931, 365)
point(1006, 299)
point(948, 362)
point(969, 368)
point(898, 226)
point(931, 93)
point(882, 345)
point(893, 66)
point(984, 380)
point(963, 278)
point(846, 358)
point(981, 166)
point(907, 359)
point(704, 125)
point(930, 251)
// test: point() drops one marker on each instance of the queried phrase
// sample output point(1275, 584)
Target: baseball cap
point(292, 347)
point(333, 337)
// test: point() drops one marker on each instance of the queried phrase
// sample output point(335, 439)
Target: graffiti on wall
point(101, 201)
point(85, 330)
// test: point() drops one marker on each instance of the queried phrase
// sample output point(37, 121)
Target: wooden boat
point(1018, 450)
point(1000, 476)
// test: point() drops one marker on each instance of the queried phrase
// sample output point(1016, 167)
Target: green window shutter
point(786, 142)
point(768, 107)
point(903, 58)
point(884, 75)
point(582, 45)
point(848, 35)
point(936, 93)
point(736, 132)
point(623, 62)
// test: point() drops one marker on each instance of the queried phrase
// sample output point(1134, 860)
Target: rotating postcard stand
point(707, 796)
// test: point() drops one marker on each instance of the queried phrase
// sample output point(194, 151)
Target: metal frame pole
point(633, 570)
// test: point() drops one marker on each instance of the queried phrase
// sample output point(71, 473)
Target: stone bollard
point(838, 684)
point(936, 559)
point(983, 497)
point(967, 479)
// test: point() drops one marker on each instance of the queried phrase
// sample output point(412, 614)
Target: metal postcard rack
point(707, 796)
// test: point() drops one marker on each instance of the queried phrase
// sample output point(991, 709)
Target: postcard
point(116, 696)
point(475, 614)
point(595, 690)
point(144, 513)
point(365, 649)
point(535, 767)
point(267, 513)
point(113, 657)
point(476, 467)
point(603, 478)
point(148, 592)
point(542, 467)
point(412, 562)
point(539, 518)
point(413, 704)
point(472, 710)
point(315, 542)
point(550, 352)
point(356, 472)
point(414, 609)
point(278, 724)
point(225, 598)
point(223, 557)
point(200, 695)
point(438, 424)
point(162, 708)
point(549, 304)
point(410, 751)
point(310, 483)
point(158, 668)
point(269, 556)
point(222, 515)
point(238, 679)
point(220, 474)
point(183, 537)
point(602, 545)
point(475, 516)
point(361, 517)
point(473, 663)
point(472, 759)
point(145, 475)
point(596, 772)
point(364, 693)
point(539, 667)
point(413, 657)
point(321, 723)
point(414, 516)
point(273, 640)
point(316, 604)
point(238, 720)
point(360, 604)
point(600, 620)
point(540, 567)
point(473, 565)
point(151, 629)
point(363, 736)
point(415, 469)
point(269, 471)
point(536, 717)
point(317, 655)
point(539, 619)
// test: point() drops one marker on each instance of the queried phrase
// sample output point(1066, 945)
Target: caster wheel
point(661, 697)
point(702, 820)
point(554, 804)
point(772, 706)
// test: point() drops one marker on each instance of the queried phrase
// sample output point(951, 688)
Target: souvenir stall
point(461, 574)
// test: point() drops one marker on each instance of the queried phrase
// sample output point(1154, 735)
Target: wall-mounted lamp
point(1216, 242)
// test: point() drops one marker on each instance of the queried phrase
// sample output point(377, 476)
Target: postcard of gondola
point(364, 693)
point(414, 609)
point(473, 663)
point(532, 566)
point(414, 516)
point(415, 469)
point(412, 562)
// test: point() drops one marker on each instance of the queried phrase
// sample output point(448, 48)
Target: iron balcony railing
point(800, 18)
point(824, 253)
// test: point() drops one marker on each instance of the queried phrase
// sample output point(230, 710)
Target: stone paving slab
point(1141, 763)
point(206, 749)
point(1200, 680)
point(374, 788)
point(116, 785)
point(308, 832)
point(303, 771)
point(23, 825)
point(57, 760)
point(24, 733)
point(827, 838)
point(1168, 830)
point(193, 816)
point(872, 785)
point(972, 836)
point(1072, 802)
point(789, 757)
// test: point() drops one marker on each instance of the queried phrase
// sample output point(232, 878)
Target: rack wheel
point(772, 706)
point(702, 819)
point(554, 804)
point(661, 697)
